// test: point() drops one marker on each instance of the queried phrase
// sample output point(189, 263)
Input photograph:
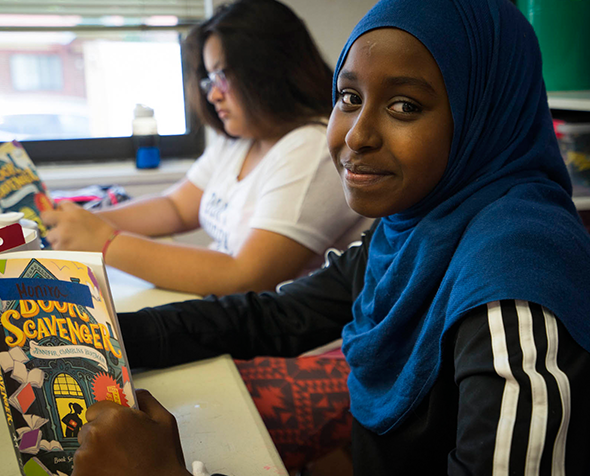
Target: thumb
point(49, 217)
point(148, 404)
point(154, 409)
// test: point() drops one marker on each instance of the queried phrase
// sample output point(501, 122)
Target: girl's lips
point(364, 176)
point(222, 114)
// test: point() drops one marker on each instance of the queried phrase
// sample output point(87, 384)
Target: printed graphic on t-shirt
point(214, 221)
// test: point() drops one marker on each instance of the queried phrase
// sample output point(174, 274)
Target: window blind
point(183, 9)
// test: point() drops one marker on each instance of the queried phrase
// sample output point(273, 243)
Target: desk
point(131, 293)
point(217, 419)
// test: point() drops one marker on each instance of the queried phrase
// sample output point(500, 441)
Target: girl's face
point(391, 129)
point(227, 104)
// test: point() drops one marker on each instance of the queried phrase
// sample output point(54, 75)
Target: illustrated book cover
point(60, 352)
point(21, 189)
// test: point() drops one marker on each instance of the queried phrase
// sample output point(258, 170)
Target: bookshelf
point(578, 101)
point(570, 100)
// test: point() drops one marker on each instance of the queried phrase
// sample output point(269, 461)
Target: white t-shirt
point(294, 191)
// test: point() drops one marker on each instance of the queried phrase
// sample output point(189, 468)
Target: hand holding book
point(120, 440)
point(71, 227)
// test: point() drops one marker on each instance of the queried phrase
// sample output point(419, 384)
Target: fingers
point(71, 227)
point(83, 434)
point(67, 205)
point(98, 411)
point(50, 218)
point(130, 442)
point(154, 409)
point(148, 404)
point(99, 408)
point(102, 420)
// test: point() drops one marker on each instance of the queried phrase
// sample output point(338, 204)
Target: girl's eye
point(405, 107)
point(350, 99)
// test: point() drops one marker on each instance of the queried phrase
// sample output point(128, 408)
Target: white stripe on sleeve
point(563, 385)
point(540, 401)
point(539, 391)
point(501, 461)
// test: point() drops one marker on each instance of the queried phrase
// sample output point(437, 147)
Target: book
point(60, 352)
point(21, 188)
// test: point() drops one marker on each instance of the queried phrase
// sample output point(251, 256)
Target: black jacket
point(513, 391)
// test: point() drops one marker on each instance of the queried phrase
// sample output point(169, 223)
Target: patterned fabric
point(303, 402)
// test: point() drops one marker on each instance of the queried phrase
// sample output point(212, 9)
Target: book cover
point(21, 189)
point(60, 352)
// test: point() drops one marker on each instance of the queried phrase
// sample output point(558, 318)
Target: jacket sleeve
point(523, 394)
point(301, 315)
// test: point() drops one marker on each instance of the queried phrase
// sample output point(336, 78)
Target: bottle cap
point(143, 111)
point(147, 157)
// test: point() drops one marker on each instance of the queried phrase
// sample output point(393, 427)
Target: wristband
point(108, 242)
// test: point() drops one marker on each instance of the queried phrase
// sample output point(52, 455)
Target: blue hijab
point(500, 225)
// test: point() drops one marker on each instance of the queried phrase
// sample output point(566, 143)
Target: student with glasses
point(265, 190)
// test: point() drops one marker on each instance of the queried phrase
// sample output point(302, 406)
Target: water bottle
point(145, 138)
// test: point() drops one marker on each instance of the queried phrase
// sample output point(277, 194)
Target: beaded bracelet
point(109, 241)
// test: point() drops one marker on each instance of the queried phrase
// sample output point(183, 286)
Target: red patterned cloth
point(303, 402)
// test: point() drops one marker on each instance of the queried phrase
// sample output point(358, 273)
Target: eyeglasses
point(215, 78)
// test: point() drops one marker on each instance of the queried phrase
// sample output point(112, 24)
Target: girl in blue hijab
point(464, 311)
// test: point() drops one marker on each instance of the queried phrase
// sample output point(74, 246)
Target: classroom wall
point(329, 21)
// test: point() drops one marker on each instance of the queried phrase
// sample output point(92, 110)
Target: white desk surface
point(217, 419)
point(131, 293)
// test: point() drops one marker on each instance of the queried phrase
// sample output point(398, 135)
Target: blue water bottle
point(145, 138)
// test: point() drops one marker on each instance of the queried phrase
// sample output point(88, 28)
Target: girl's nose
point(215, 94)
point(364, 133)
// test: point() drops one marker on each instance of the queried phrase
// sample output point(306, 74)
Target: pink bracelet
point(108, 242)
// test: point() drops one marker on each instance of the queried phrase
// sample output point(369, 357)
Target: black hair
point(280, 75)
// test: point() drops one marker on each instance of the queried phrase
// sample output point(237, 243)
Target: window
point(88, 84)
point(36, 72)
point(70, 403)
point(71, 74)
